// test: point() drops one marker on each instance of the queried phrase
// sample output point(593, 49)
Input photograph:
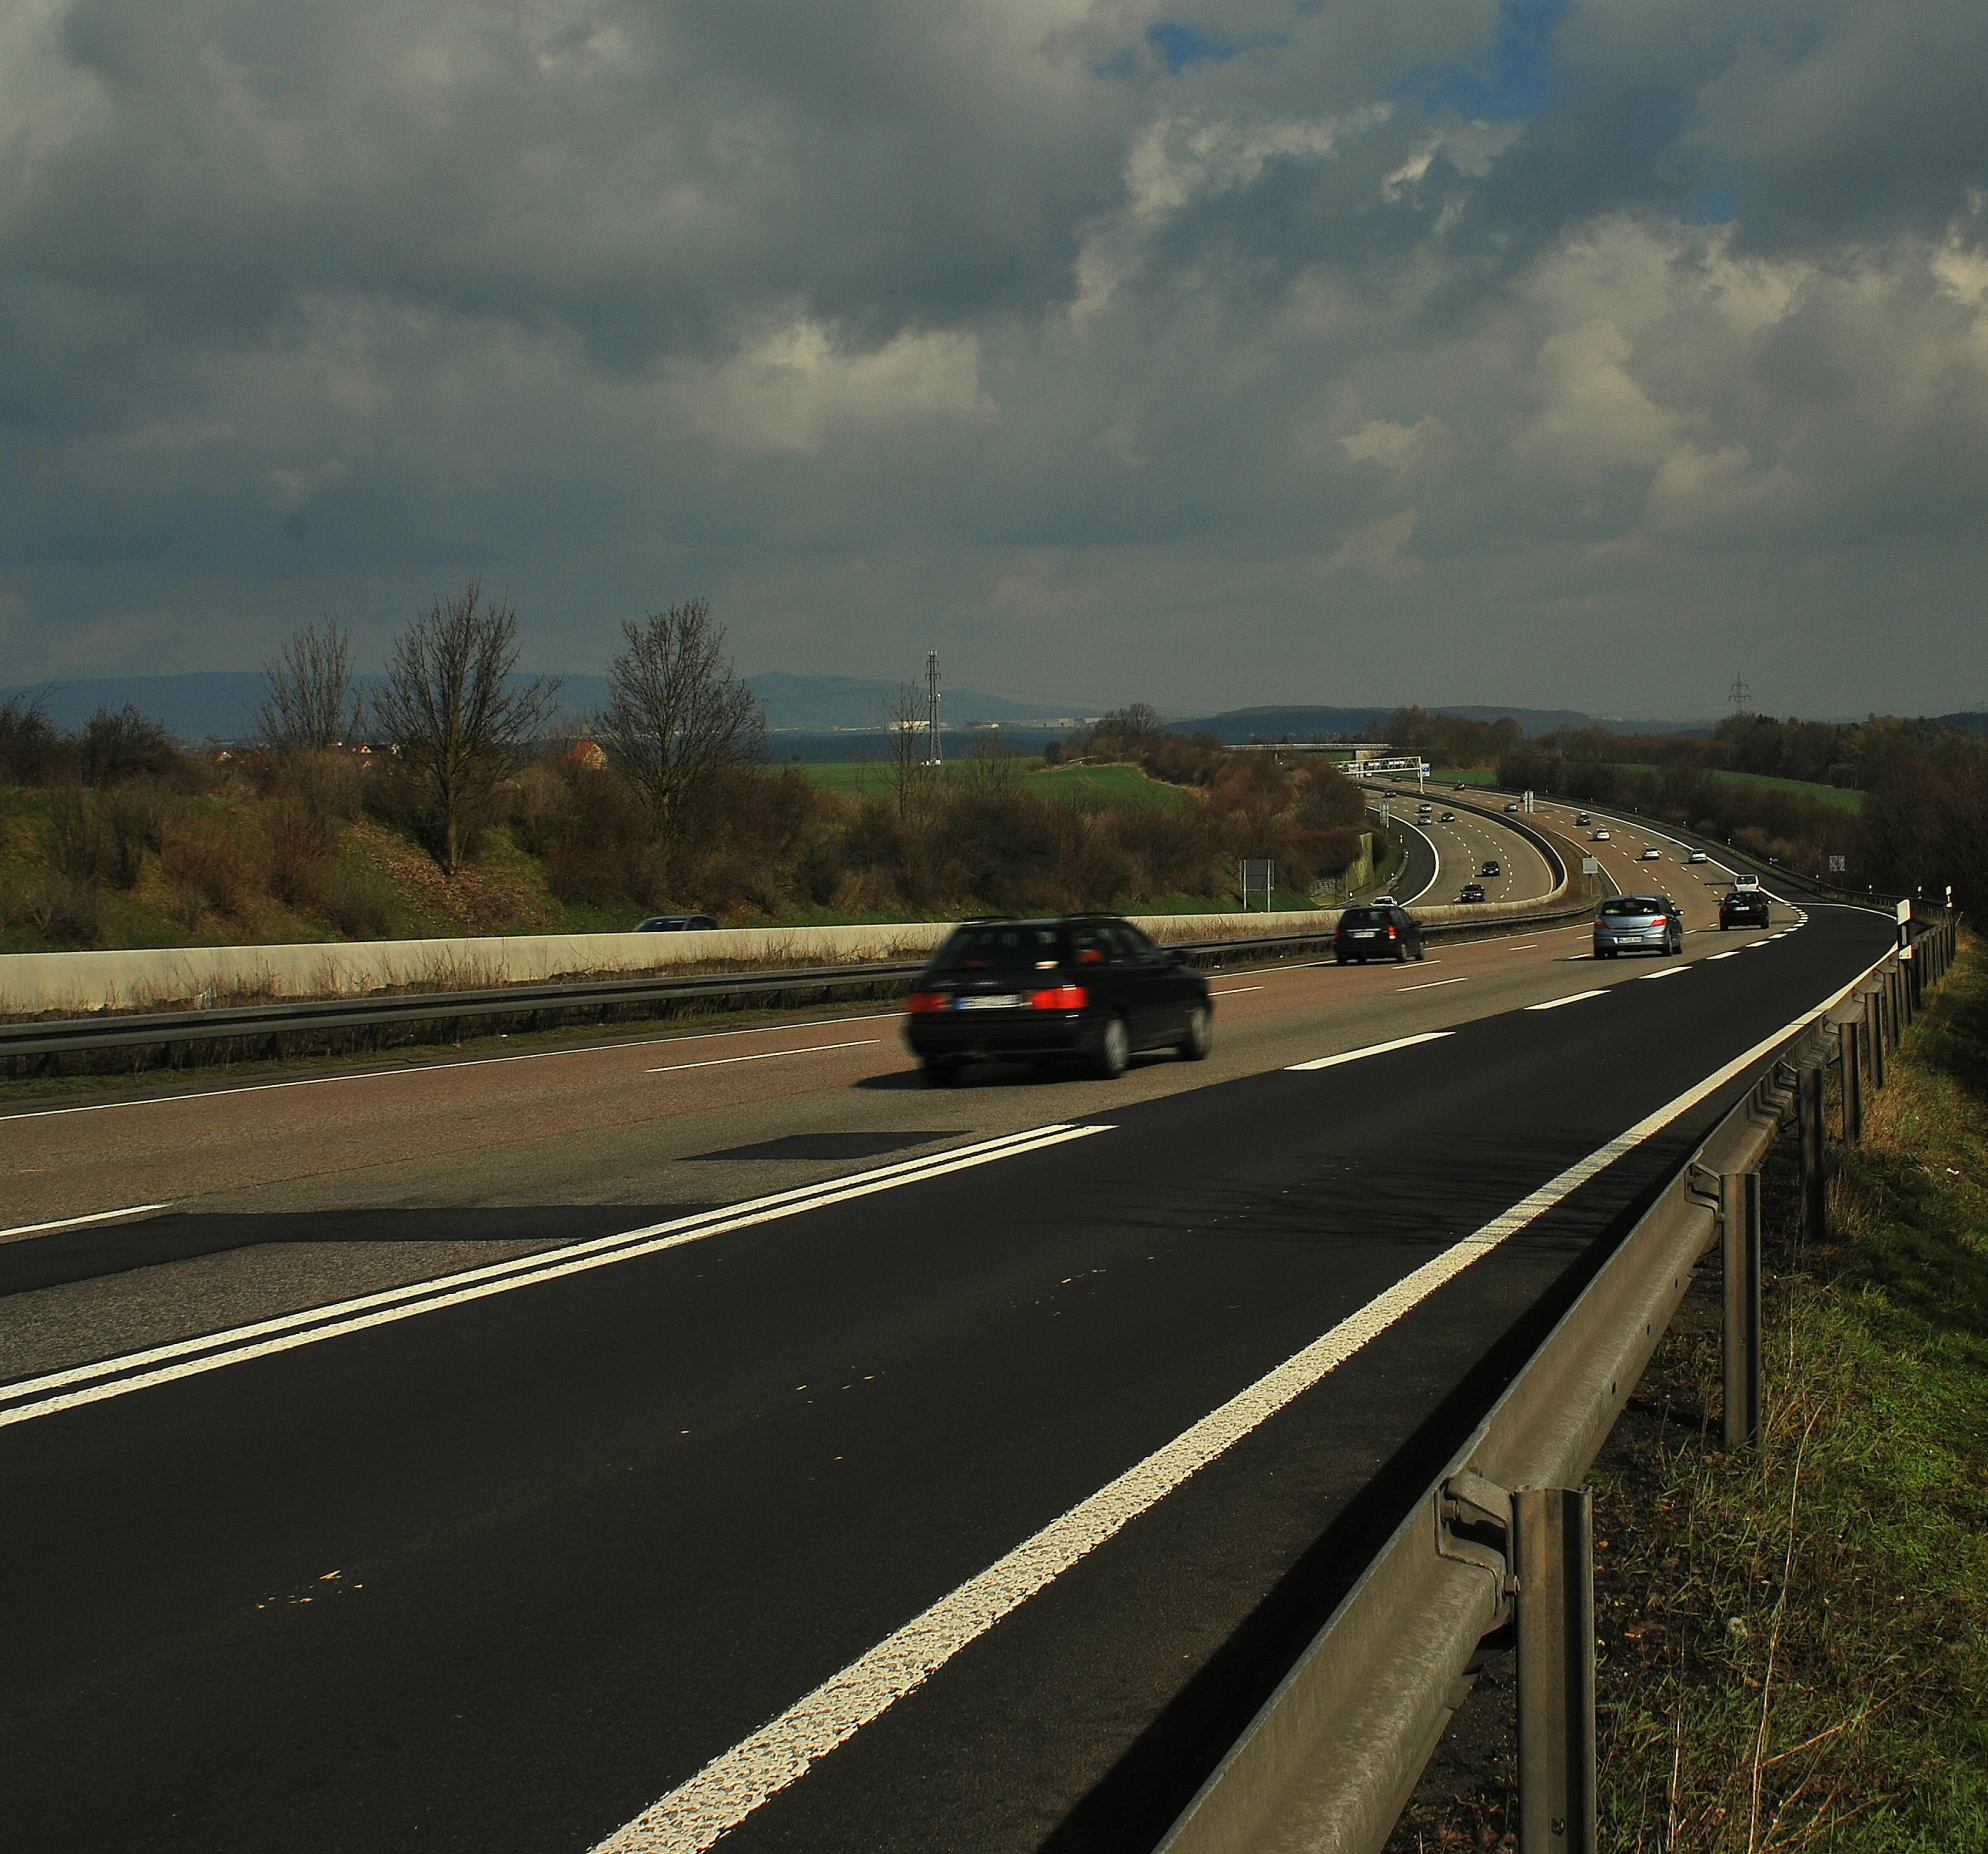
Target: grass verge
point(1795, 1640)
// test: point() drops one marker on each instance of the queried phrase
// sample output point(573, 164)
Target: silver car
point(1638, 924)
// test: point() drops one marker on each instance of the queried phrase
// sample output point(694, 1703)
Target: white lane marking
point(1573, 997)
point(1430, 985)
point(70, 1223)
point(764, 1055)
point(702, 1810)
point(1372, 1049)
point(438, 1068)
point(1231, 990)
point(187, 1358)
point(1668, 972)
point(1730, 953)
point(1529, 947)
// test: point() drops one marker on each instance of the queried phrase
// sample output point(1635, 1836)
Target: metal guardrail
point(1501, 1539)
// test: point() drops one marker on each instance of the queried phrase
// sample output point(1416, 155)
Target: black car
point(1743, 907)
point(1490, 869)
point(1472, 891)
point(1379, 930)
point(1090, 987)
point(676, 923)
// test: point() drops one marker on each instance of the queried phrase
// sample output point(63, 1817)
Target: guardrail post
point(1851, 1081)
point(1813, 1127)
point(1556, 1631)
point(1739, 1221)
point(1874, 1010)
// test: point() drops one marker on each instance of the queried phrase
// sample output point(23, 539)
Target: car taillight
point(1659, 920)
point(1392, 934)
point(1061, 998)
point(921, 1001)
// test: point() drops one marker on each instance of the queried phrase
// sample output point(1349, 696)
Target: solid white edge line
point(70, 1223)
point(764, 1055)
point(441, 1068)
point(1573, 997)
point(1372, 1049)
point(709, 1805)
point(313, 1323)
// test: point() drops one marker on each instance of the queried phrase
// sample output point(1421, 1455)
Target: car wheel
point(1113, 1050)
point(1421, 952)
point(1339, 958)
point(1401, 953)
point(1200, 1037)
point(941, 1072)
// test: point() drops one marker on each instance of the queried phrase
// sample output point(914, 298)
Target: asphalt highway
point(724, 1433)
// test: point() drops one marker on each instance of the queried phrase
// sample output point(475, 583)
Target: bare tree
point(676, 715)
point(449, 706)
point(906, 734)
point(309, 702)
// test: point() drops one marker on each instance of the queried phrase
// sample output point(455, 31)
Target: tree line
point(663, 801)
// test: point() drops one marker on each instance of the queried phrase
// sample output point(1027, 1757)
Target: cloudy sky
point(1279, 350)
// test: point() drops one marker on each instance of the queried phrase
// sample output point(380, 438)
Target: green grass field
point(1841, 798)
point(1064, 784)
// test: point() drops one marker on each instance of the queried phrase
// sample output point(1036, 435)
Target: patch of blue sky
point(1514, 83)
point(1716, 203)
point(1180, 46)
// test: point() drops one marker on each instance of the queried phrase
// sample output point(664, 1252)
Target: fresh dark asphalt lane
point(499, 1576)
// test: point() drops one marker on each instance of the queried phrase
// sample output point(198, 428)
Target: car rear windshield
point(1632, 904)
point(1006, 948)
point(1365, 917)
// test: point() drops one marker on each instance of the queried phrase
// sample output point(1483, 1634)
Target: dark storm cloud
point(1377, 342)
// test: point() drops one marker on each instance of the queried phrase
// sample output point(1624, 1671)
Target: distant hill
point(1237, 725)
point(221, 704)
point(1973, 722)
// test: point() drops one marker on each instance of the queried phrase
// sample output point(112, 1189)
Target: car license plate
point(993, 1001)
point(1364, 933)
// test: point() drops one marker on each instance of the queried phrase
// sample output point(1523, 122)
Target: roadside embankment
point(1795, 1640)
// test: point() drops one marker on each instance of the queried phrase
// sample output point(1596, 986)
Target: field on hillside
point(1065, 784)
point(1840, 797)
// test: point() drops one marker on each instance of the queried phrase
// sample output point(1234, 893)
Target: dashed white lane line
point(708, 1806)
point(1429, 985)
point(765, 1055)
point(1668, 972)
point(1372, 1049)
point(1229, 991)
point(1573, 997)
point(1733, 953)
point(73, 1223)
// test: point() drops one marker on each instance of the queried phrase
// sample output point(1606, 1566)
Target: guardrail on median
point(1501, 1539)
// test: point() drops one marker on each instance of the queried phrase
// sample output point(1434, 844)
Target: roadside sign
point(1257, 873)
point(1837, 864)
point(1904, 912)
point(1589, 866)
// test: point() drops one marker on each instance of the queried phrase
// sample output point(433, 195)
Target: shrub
point(136, 820)
point(356, 902)
point(75, 836)
point(209, 867)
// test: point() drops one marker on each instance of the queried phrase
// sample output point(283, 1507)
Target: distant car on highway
point(1637, 924)
point(1748, 880)
point(676, 923)
point(1472, 891)
point(1601, 834)
point(1651, 854)
point(1085, 987)
point(1743, 907)
point(1382, 929)
point(1697, 856)
point(1490, 868)
point(1583, 819)
point(1511, 804)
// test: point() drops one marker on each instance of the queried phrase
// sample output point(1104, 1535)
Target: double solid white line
point(56, 1391)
